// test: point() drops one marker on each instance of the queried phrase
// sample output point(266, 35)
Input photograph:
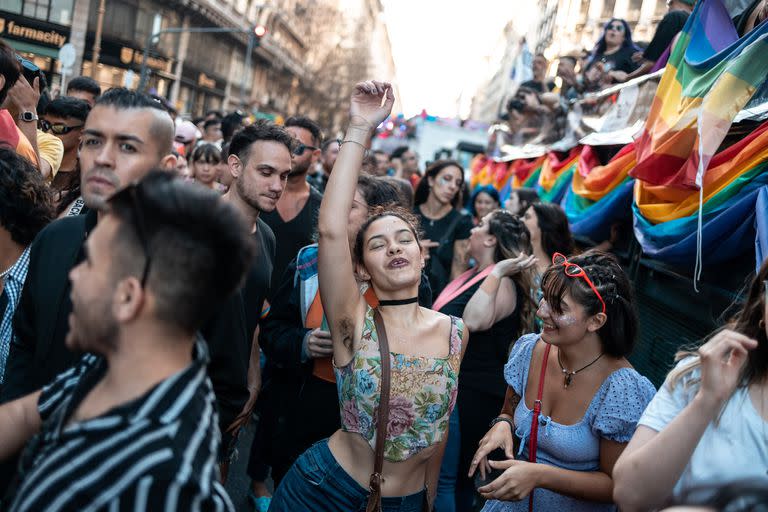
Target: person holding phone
point(26, 99)
point(10, 134)
point(573, 400)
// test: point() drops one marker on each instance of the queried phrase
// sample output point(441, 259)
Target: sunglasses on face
point(301, 148)
point(617, 28)
point(57, 128)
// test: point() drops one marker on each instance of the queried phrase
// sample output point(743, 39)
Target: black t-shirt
point(482, 368)
point(446, 230)
point(669, 26)
point(258, 280)
point(617, 61)
point(292, 235)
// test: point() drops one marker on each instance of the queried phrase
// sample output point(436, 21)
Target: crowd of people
point(538, 110)
point(402, 345)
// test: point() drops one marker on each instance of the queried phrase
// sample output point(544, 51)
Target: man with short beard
point(259, 160)
point(133, 425)
point(295, 218)
point(125, 135)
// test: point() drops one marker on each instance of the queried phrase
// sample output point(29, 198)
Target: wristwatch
point(28, 117)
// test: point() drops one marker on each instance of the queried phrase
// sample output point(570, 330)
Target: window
point(61, 12)
point(36, 9)
point(120, 22)
point(13, 6)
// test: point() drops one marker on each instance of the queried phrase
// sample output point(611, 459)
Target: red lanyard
point(535, 421)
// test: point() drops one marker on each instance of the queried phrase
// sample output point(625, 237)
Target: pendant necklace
point(568, 375)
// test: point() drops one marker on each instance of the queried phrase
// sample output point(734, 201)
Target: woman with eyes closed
point(425, 348)
point(590, 397)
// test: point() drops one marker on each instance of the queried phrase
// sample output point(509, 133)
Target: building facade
point(490, 100)
point(196, 72)
point(571, 26)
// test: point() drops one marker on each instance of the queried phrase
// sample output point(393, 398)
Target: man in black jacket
point(125, 136)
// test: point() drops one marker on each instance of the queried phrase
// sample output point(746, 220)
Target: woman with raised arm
point(706, 427)
point(425, 349)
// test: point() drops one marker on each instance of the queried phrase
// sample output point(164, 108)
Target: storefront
point(120, 66)
point(119, 62)
point(38, 34)
point(200, 91)
point(38, 41)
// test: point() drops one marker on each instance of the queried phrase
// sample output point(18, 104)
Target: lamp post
point(97, 38)
point(144, 74)
point(255, 33)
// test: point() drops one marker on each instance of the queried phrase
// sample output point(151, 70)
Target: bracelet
point(499, 419)
point(365, 122)
point(342, 142)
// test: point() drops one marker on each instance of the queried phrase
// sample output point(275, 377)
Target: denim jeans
point(450, 498)
point(445, 501)
point(318, 483)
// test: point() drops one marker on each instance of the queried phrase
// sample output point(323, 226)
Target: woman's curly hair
point(26, 202)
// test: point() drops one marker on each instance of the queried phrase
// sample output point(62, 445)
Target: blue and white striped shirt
point(14, 283)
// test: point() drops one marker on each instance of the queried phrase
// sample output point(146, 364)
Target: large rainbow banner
point(710, 76)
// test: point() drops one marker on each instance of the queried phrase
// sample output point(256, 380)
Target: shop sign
point(130, 56)
point(10, 28)
point(204, 80)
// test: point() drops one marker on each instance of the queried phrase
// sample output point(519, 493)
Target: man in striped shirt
point(133, 426)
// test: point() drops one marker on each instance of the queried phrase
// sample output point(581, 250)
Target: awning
point(44, 51)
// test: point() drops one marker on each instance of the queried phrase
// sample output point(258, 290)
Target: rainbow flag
point(556, 174)
point(666, 221)
point(710, 76)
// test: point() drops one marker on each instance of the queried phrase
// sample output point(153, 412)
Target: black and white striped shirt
point(157, 452)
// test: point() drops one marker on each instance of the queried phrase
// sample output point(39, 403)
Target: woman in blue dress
point(591, 397)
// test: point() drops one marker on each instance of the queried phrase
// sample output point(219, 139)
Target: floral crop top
point(422, 393)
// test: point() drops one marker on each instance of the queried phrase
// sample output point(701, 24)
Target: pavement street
point(238, 482)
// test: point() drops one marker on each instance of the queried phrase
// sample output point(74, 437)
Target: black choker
point(398, 302)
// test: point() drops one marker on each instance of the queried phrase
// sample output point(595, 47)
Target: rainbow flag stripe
point(710, 76)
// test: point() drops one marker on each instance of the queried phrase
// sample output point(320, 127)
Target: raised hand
point(371, 104)
point(512, 266)
point(23, 96)
point(722, 360)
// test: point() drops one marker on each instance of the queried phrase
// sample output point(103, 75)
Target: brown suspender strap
point(534, 437)
point(374, 500)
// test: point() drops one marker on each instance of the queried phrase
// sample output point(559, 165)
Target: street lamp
point(255, 34)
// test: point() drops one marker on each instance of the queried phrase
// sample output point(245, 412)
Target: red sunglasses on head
point(573, 270)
